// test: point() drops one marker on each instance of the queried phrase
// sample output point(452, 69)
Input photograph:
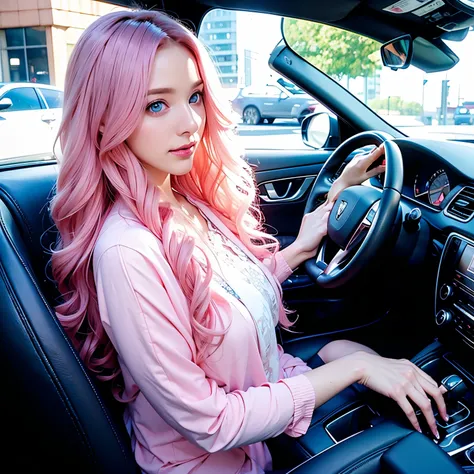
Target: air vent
point(462, 206)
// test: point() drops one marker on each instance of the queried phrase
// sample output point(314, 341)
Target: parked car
point(272, 101)
point(462, 115)
point(30, 114)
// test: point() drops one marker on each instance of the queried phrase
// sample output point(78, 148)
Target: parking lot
point(286, 134)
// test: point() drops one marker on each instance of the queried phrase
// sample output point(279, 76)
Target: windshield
point(437, 105)
point(293, 88)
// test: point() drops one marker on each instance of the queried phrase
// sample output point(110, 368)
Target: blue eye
point(197, 97)
point(156, 107)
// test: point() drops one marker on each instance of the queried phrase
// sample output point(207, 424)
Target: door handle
point(291, 193)
point(272, 194)
point(48, 118)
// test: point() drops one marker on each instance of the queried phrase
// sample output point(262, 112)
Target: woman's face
point(174, 116)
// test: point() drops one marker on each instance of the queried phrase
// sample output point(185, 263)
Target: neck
point(167, 193)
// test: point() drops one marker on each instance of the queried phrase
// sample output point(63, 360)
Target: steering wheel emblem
point(340, 209)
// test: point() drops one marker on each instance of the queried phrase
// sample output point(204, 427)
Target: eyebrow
point(170, 90)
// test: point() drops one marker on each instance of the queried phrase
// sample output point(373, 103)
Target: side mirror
point(283, 96)
point(320, 130)
point(5, 103)
point(397, 54)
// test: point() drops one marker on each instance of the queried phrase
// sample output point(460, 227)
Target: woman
point(171, 288)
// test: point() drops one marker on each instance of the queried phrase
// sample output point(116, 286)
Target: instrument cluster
point(431, 189)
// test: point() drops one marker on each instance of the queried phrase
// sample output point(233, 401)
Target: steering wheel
point(362, 218)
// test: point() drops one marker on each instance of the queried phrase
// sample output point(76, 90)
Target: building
point(37, 36)
point(219, 33)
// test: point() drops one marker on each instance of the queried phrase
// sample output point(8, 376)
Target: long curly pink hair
point(106, 84)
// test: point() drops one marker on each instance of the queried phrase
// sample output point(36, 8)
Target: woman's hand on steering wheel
point(357, 171)
point(314, 227)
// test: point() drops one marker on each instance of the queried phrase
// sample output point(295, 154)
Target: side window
point(54, 99)
point(272, 91)
point(23, 98)
point(240, 44)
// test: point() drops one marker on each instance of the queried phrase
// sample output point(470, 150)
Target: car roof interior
point(368, 18)
point(364, 17)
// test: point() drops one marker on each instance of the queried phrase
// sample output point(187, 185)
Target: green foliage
point(397, 105)
point(334, 51)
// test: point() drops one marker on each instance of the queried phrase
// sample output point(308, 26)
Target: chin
point(183, 168)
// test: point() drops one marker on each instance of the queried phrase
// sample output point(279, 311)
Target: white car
point(30, 115)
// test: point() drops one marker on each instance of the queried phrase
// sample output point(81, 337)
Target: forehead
point(174, 66)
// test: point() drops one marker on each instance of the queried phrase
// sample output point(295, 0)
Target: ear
point(101, 129)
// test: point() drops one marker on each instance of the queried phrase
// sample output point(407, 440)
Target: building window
point(229, 81)
point(24, 55)
point(221, 47)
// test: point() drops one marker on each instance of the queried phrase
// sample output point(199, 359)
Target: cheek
point(145, 137)
point(202, 125)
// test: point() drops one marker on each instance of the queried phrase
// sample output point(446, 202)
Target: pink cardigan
point(208, 418)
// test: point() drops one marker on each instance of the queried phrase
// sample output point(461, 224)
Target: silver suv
point(272, 101)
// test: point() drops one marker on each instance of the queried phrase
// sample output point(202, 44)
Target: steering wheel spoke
point(344, 255)
point(362, 218)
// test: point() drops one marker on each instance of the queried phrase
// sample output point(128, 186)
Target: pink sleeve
point(145, 314)
point(279, 267)
point(291, 367)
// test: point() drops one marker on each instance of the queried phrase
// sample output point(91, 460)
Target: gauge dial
point(419, 187)
point(438, 188)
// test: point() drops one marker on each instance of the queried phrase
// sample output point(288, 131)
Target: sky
point(261, 32)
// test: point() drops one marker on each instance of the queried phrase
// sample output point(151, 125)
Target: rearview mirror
point(5, 103)
point(397, 53)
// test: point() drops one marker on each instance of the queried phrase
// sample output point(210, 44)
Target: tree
point(397, 105)
point(334, 51)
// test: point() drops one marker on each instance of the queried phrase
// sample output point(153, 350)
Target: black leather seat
point(56, 419)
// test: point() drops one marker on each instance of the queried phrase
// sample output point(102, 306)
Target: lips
point(184, 147)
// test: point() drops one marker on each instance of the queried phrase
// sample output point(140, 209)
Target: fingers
point(374, 155)
point(423, 374)
point(425, 405)
point(377, 152)
point(406, 406)
point(378, 170)
point(324, 208)
point(437, 395)
point(435, 391)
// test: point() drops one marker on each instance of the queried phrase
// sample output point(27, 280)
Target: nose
point(188, 121)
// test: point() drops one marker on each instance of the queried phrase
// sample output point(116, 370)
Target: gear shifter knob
point(455, 386)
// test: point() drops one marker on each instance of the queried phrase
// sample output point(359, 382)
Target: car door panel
point(286, 173)
point(290, 175)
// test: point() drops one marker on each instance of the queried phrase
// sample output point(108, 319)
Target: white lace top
point(248, 286)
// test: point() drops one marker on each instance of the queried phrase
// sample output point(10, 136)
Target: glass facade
point(220, 35)
point(24, 55)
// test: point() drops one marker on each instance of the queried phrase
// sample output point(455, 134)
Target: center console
point(366, 432)
point(454, 303)
point(454, 318)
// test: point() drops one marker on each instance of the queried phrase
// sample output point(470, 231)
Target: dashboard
point(431, 190)
point(429, 184)
point(435, 172)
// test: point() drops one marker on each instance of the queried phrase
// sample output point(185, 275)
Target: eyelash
point(199, 93)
